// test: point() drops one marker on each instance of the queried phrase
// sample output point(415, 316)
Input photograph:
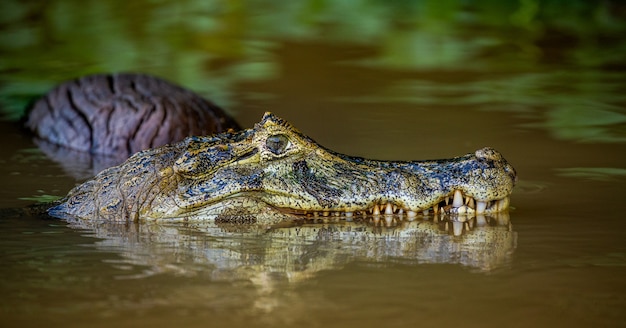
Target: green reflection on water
point(506, 55)
point(593, 173)
point(588, 122)
point(582, 106)
point(43, 198)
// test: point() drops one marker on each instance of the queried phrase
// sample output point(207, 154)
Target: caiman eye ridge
point(455, 203)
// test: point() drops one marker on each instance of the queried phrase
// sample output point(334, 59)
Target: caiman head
point(273, 168)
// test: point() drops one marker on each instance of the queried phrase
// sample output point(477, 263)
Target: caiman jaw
point(455, 203)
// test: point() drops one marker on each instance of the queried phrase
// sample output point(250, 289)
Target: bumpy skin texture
point(257, 174)
point(120, 114)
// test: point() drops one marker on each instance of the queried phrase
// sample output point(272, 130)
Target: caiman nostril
point(488, 153)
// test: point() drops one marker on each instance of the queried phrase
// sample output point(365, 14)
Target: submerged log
point(120, 114)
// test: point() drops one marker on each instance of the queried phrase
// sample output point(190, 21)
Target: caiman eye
point(277, 143)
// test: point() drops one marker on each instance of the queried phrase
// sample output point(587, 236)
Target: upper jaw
point(482, 184)
point(411, 202)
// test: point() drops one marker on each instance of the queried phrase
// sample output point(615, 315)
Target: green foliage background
point(550, 50)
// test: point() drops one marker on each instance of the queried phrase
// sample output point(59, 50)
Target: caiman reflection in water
point(295, 253)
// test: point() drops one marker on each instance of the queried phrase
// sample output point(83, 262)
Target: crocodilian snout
point(484, 185)
point(476, 183)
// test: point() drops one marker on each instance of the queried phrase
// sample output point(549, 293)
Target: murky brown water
point(559, 260)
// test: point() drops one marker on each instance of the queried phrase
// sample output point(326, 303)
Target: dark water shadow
point(78, 164)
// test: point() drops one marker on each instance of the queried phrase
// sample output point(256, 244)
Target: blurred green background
point(561, 60)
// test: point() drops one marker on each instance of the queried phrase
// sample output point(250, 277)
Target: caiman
point(272, 172)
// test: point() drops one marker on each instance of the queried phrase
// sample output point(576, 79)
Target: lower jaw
point(453, 223)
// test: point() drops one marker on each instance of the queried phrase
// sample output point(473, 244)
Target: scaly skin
point(272, 172)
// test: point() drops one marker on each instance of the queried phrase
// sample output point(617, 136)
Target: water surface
point(386, 83)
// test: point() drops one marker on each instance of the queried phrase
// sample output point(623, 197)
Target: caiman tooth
point(376, 210)
point(400, 211)
point(471, 203)
point(388, 209)
point(411, 214)
point(458, 199)
point(496, 206)
point(502, 204)
point(425, 212)
point(348, 214)
point(447, 200)
point(481, 207)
